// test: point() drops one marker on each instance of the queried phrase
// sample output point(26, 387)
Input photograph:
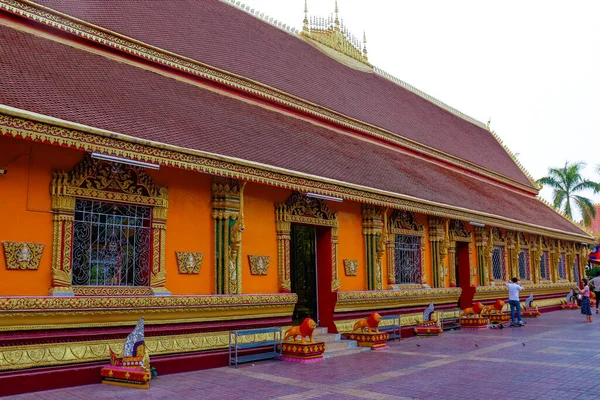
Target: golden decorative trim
point(189, 263)
point(42, 355)
point(259, 265)
point(105, 37)
point(351, 267)
point(374, 300)
point(111, 290)
point(137, 149)
point(22, 256)
point(28, 312)
point(501, 291)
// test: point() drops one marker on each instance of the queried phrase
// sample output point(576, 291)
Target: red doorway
point(463, 275)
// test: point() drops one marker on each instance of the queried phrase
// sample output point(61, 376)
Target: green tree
point(567, 182)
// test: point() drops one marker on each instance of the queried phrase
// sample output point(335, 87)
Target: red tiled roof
point(220, 35)
point(60, 81)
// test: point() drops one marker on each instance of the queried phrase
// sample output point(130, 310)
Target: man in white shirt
point(596, 283)
point(513, 300)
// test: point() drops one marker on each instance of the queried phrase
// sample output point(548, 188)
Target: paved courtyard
point(555, 356)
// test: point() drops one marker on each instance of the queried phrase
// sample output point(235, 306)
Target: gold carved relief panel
point(22, 256)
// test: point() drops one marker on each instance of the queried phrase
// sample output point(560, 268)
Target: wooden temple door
point(463, 275)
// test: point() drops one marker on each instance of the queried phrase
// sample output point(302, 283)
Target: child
point(585, 300)
point(513, 300)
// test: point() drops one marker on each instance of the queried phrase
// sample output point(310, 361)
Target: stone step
point(345, 352)
point(340, 345)
point(327, 338)
point(321, 331)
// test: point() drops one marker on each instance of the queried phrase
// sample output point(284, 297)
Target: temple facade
point(210, 169)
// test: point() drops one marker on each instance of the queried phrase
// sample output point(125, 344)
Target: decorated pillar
point(452, 263)
point(480, 243)
point(488, 252)
point(158, 278)
point(283, 249)
point(512, 255)
point(570, 260)
point(228, 213)
point(375, 245)
point(438, 237)
point(335, 281)
point(555, 257)
point(535, 246)
point(63, 209)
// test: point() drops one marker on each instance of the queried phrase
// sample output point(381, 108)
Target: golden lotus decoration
point(22, 256)
point(259, 265)
point(351, 267)
point(189, 263)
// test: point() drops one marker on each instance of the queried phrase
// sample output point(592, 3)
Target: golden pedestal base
point(429, 328)
point(569, 307)
point(302, 352)
point(497, 318)
point(473, 323)
point(127, 377)
point(530, 312)
point(375, 341)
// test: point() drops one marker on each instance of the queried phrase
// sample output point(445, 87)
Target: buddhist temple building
point(208, 168)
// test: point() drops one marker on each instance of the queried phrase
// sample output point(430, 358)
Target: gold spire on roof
point(331, 32)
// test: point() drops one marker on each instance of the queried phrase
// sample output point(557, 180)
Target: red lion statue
point(475, 310)
point(495, 308)
point(369, 324)
point(305, 329)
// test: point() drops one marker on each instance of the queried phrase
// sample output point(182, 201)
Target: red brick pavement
point(553, 357)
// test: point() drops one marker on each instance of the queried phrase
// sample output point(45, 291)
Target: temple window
point(545, 265)
point(576, 268)
point(408, 259)
point(524, 265)
point(562, 270)
point(499, 263)
point(111, 244)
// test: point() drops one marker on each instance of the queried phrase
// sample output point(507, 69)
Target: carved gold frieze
point(111, 290)
point(42, 355)
point(259, 265)
point(351, 267)
point(22, 256)
point(373, 300)
point(189, 263)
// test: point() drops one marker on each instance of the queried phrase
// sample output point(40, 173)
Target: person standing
point(585, 300)
point(596, 283)
point(514, 301)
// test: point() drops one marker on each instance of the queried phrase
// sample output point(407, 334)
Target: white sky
point(533, 67)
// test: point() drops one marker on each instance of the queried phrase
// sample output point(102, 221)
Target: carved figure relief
point(22, 256)
point(189, 263)
point(259, 265)
point(351, 267)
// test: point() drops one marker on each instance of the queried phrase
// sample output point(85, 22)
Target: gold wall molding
point(188, 262)
point(374, 300)
point(22, 256)
point(43, 355)
point(351, 267)
point(59, 312)
point(112, 290)
point(105, 37)
point(259, 265)
point(173, 156)
point(111, 182)
point(302, 209)
point(538, 289)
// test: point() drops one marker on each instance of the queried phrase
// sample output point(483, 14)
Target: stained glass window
point(408, 259)
point(524, 264)
point(499, 263)
point(545, 266)
point(111, 244)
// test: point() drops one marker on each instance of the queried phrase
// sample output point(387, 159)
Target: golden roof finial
point(305, 25)
point(365, 45)
point(337, 21)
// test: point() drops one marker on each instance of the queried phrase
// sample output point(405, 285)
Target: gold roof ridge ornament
point(332, 33)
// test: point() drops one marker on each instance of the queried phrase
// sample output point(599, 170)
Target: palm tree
point(566, 182)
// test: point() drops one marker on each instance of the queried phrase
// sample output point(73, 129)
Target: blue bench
point(271, 343)
point(393, 329)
